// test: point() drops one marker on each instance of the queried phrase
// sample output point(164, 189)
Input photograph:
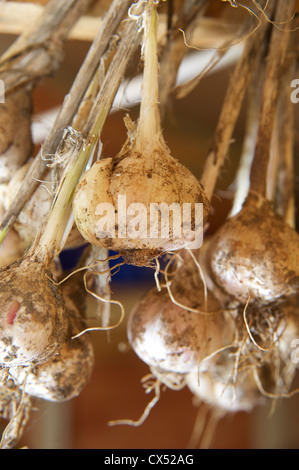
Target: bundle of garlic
point(39, 336)
point(34, 323)
point(251, 262)
point(253, 256)
point(225, 357)
point(223, 319)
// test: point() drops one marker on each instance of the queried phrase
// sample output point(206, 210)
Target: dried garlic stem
point(149, 127)
point(58, 219)
point(285, 199)
point(280, 145)
point(231, 107)
point(242, 180)
point(176, 49)
point(14, 430)
point(275, 63)
point(236, 36)
point(50, 243)
point(253, 257)
point(38, 51)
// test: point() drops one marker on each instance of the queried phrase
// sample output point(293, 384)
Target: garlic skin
point(36, 210)
point(168, 336)
point(62, 377)
point(65, 374)
point(220, 393)
point(28, 223)
point(253, 256)
point(11, 249)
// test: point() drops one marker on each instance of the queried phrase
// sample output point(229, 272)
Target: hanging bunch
point(141, 175)
point(33, 319)
point(251, 260)
point(253, 256)
point(41, 345)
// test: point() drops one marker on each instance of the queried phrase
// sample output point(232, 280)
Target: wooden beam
point(16, 16)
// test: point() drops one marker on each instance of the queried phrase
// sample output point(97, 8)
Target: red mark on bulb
point(12, 311)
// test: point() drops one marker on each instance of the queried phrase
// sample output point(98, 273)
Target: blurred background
point(115, 390)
